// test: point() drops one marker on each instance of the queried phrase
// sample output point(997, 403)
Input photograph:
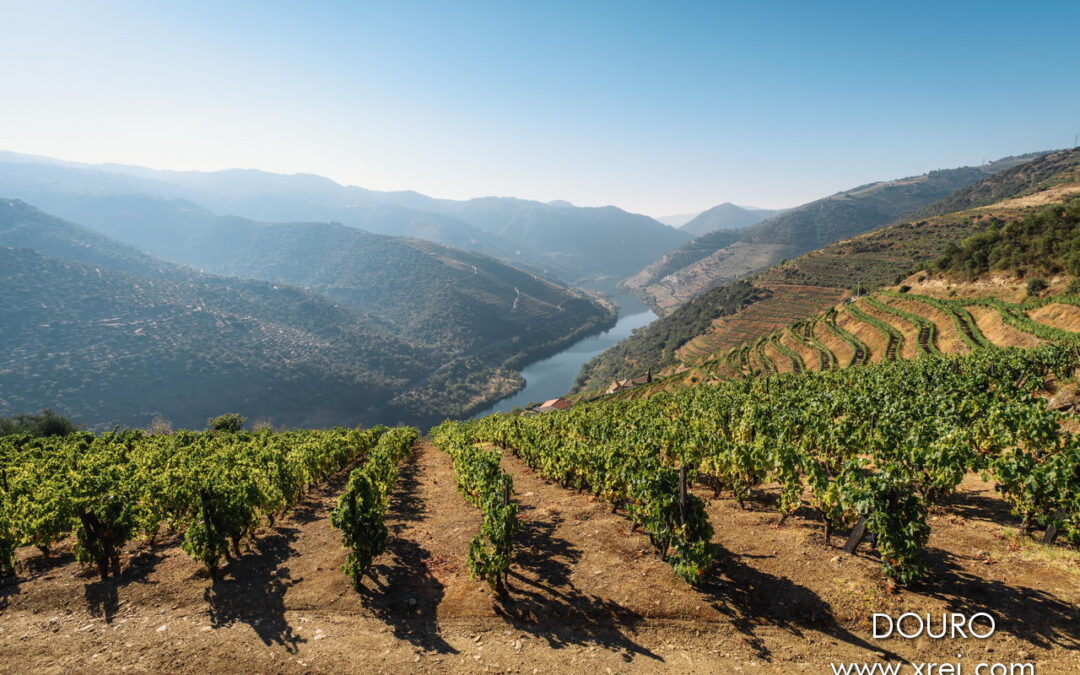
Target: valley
point(352, 338)
point(704, 520)
point(794, 290)
point(443, 340)
point(554, 376)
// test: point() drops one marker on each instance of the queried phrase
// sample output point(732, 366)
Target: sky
point(656, 107)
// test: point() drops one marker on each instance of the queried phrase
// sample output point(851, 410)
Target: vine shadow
point(748, 596)
point(252, 590)
point(103, 597)
point(403, 592)
point(540, 598)
point(1030, 614)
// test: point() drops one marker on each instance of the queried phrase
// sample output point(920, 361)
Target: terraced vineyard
point(782, 302)
point(928, 324)
point(801, 288)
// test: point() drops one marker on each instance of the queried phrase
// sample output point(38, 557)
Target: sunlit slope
point(802, 287)
point(1015, 284)
point(723, 256)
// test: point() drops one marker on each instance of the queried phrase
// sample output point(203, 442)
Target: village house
point(554, 404)
point(619, 385)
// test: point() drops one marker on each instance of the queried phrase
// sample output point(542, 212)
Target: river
point(555, 375)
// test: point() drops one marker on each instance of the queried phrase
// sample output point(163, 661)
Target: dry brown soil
point(586, 595)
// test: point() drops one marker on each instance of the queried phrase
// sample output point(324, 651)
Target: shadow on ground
point(403, 592)
point(1032, 615)
point(751, 598)
point(103, 597)
point(541, 598)
point(253, 590)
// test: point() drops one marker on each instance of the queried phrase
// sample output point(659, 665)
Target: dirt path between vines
point(586, 595)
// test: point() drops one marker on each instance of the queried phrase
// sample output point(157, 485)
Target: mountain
point(726, 216)
point(427, 331)
point(456, 301)
point(104, 347)
point(1012, 284)
point(590, 246)
point(745, 310)
point(719, 257)
point(23, 226)
point(110, 335)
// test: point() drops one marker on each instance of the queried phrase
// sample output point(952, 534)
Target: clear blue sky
point(658, 107)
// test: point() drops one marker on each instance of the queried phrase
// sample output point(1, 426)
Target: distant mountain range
point(726, 216)
point(591, 247)
point(383, 329)
point(722, 216)
point(725, 255)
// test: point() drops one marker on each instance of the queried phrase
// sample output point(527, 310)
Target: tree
point(48, 423)
point(229, 422)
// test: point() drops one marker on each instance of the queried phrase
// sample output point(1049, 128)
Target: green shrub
point(44, 425)
point(229, 422)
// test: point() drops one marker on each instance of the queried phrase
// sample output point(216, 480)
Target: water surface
point(555, 375)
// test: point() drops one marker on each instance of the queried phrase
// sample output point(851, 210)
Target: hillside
point(450, 300)
point(718, 257)
point(595, 247)
point(592, 246)
point(585, 591)
point(450, 333)
point(23, 226)
point(726, 216)
point(1013, 284)
point(802, 287)
point(109, 348)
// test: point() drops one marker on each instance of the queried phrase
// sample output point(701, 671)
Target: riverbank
point(555, 375)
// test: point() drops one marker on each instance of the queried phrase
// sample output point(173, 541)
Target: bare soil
point(1058, 315)
point(874, 339)
point(948, 339)
point(842, 350)
point(586, 595)
point(1000, 333)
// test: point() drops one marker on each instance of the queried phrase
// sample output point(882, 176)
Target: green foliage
point(229, 422)
point(47, 423)
point(483, 483)
point(1047, 241)
point(361, 509)
point(961, 318)
point(860, 352)
point(215, 488)
point(884, 441)
point(927, 330)
point(628, 476)
point(1014, 315)
point(1036, 285)
point(797, 364)
point(894, 339)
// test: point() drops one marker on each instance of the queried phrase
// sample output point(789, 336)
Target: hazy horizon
point(656, 110)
